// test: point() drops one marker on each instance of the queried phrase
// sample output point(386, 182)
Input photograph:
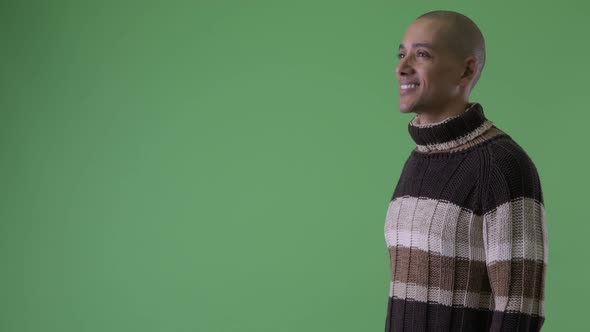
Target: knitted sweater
point(465, 230)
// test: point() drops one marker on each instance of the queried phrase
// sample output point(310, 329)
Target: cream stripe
point(503, 231)
point(430, 294)
point(450, 249)
point(473, 300)
point(454, 143)
point(430, 233)
point(509, 231)
point(532, 306)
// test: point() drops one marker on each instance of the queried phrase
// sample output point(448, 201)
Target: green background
point(227, 165)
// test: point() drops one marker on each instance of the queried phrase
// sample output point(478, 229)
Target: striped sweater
point(465, 230)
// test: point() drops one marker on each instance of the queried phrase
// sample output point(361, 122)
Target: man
point(465, 227)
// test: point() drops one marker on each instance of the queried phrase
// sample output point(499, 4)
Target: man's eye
point(401, 55)
point(423, 54)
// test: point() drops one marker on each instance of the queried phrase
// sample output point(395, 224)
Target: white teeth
point(408, 86)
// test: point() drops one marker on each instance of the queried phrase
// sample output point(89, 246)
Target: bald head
point(461, 34)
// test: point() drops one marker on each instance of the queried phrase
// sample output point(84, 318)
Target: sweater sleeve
point(515, 243)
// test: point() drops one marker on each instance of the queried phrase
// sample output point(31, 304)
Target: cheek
point(439, 82)
point(449, 76)
point(429, 77)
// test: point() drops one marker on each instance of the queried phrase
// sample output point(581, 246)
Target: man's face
point(428, 72)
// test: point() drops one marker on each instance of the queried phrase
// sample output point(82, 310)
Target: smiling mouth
point(408, 86)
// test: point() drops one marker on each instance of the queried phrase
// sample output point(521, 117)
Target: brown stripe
point(411, 265)
point(510, 278)
point(434, 270)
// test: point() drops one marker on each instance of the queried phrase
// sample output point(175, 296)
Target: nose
point(404, 67)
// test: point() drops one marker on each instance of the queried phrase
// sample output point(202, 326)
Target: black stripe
point(450, 179)
point(415, 316)
point(513, 174)
point(449, 130)
point(489, 175)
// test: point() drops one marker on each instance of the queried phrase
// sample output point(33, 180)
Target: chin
point(406, 109)
point(407, 105)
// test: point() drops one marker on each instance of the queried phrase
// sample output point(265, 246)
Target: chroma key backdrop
point(224, 166)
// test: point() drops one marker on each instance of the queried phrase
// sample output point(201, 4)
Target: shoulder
point(511, 174)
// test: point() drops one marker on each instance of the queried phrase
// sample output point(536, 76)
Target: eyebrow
point(427, 45)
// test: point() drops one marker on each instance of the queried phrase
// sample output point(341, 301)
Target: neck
point(441, 113)
point(451, 132)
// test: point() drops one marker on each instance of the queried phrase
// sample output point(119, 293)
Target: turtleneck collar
point(450, 132)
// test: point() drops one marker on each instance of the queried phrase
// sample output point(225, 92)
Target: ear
point(469, 70)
